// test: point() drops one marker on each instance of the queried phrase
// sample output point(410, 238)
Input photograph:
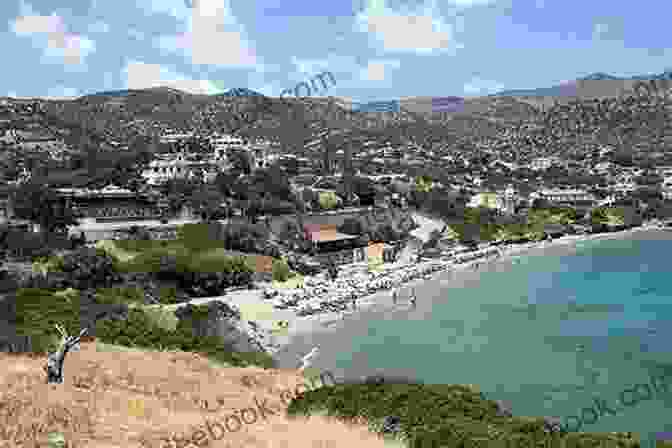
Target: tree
point(241, 161)
point(42, 205)
point(541, 203)
point(206, 200)
point(351, 226)
point(423, 184)
point(55, 360)
point(225, 182)
point(328, 200)
point(280, 270)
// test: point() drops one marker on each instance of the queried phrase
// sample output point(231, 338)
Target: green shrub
point(168, 295)
point(328, 200)
point(37, 312)
point(141, 331)
point(438, 415)
point(280, 270)
point(125, 295)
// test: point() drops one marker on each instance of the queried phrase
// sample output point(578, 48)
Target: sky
point(375, 49)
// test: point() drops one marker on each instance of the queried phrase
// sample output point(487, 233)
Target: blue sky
point(376, 49)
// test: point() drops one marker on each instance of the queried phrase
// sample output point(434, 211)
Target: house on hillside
point(330, 244)
point(504, 201)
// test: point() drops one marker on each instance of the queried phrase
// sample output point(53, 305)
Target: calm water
point(546, 335)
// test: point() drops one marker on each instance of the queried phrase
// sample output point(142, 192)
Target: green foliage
point(423, 184)
point(281, 270)
point(198, 237)
point(328, 200)
point(168, 295)
point(125, 295)
point(434, 415)
point(38, 310)
point(140, 330)
point(41, 205)
point(599, 216)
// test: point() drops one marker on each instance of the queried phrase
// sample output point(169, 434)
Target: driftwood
point(55, 360)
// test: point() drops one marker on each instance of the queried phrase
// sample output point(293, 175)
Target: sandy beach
point(455, 275)
point(448, 274)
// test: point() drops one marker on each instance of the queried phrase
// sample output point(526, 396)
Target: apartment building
point(564, 196)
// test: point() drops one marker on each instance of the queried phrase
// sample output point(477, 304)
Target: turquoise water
point(546, 335)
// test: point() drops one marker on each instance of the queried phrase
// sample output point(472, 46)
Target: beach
point(449, 275)
point(431, 274)
point(542, 325)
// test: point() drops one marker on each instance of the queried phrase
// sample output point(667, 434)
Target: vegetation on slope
point(440, 415)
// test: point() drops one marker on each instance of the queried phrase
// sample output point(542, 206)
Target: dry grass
point(128, 399)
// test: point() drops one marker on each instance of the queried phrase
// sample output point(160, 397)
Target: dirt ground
point(132, 399)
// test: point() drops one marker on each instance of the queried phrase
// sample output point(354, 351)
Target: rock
point(503, 408)
point(391, 424)
point(553, 425)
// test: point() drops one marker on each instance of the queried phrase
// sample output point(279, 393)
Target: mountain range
point(562, 90)
point(559, 90)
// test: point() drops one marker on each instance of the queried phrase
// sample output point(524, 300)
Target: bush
point(280, 270)
point(439, 415)
point(139, 330)
point(351, 226)
point(328, 200)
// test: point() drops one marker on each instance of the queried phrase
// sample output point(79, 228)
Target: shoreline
point(446, 271)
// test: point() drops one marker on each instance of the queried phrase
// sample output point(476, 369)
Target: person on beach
point(413, 299)
point(395, 295)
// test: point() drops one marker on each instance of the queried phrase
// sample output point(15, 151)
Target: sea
point(551, 333)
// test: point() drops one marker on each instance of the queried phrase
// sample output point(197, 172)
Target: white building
point(570, 196)
point(667, 193)
point(542, 163)
point(504, 201)
point(174, 138)
point(602, 168)
point(623, 187)
point(224, 144)
point(166, 167)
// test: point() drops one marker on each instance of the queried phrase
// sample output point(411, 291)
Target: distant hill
point(241, 91)
point(113, 93)
point(569, 89)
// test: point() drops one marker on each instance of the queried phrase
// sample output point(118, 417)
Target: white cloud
point(419, 31)
point(376, 70)
point(213, 37)
point(175, 8)
point(478, 86)
point(71, 48)
point(140, 75)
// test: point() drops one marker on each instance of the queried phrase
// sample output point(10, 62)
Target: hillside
point(513, 127)
point(115, 397)
point(131, 399)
